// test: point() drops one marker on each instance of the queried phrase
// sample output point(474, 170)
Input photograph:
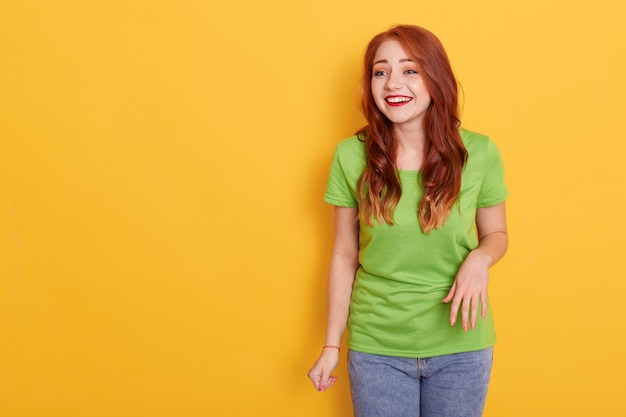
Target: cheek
point(377, 95)
point(380, 103)
point(375, 88)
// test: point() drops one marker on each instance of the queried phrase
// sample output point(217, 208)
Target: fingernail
point(465, 327)
point(474, 324)
point(322, 389)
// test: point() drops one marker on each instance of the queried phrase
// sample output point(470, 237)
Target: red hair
point(444, 152)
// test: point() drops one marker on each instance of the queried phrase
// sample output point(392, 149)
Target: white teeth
point(398, 99)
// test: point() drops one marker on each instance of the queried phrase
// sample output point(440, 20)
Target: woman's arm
point(343, 266)
point(470, 285)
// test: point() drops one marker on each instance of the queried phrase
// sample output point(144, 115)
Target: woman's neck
point(410, 151)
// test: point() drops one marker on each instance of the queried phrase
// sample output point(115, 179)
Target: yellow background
point(163, 241)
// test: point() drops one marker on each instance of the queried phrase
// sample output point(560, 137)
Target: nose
point(393, 82)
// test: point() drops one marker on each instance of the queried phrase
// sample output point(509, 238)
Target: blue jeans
point(440, 386)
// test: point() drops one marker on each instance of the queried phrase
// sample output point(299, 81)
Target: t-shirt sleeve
point(493, 190)
point(339, 190)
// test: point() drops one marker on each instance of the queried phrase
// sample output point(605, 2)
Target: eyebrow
point(384, 61)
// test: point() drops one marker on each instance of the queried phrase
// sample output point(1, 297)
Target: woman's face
point(397, 86)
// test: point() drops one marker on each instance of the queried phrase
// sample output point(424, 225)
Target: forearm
point(470, 285)
point(341, 278)
point(343, 268)
point(492, 234)
point(343, 265)
point(492, 247)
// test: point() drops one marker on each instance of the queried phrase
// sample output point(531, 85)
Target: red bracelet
point(332, 347)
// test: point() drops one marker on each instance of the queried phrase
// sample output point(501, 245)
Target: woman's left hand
point(470, 284)
point(470, 289)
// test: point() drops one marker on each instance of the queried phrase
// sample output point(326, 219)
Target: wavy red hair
point(444, 152)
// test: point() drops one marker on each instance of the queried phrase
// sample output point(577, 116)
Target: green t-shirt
point(404, 274)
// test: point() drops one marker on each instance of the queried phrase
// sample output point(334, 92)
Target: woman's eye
point(379, 73)
point(410, 71)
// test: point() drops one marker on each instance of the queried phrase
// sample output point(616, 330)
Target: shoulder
point(484, 167)
point(350, 152)
point(354, 145)
point(474, 141)
point(479, 147)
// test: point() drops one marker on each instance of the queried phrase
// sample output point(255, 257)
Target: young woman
point(419, 219)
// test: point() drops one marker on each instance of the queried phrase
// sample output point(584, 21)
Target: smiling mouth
point(397, 100)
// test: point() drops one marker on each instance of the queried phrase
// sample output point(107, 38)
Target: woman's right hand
point(321, 372)
point(343, 266)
